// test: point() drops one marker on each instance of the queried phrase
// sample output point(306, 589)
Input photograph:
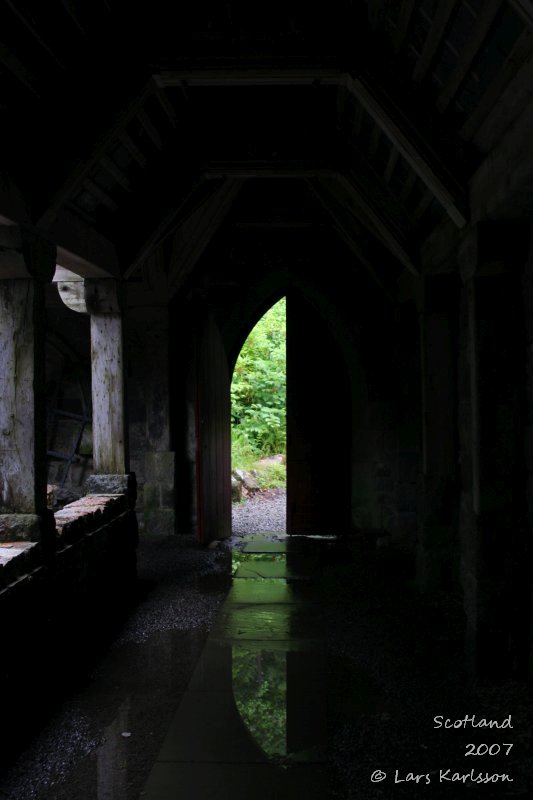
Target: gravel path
point(266, 511)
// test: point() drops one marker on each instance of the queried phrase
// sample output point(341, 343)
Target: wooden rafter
point(524, 9)
point(100, 194)
point(377, 224)
point(200, 230)
point(150, 128)
point(248, 77)
point(134, 151)
point(521, 51)
point(23, 19)
point(438, 29)
point(76, 178)
point(166, 105)
point(176, 216)
point(109, 165)
point(406, 12)
point(327, 202)
point(484, 21)
point(404, 140)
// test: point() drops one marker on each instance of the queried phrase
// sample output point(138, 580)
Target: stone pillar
point(437, 557)
point(494, 563)
point(101, 298)
point(26, 264)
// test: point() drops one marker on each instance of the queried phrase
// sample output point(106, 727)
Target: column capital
point(92, 295)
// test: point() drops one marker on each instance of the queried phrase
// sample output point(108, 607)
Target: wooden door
point(318, 425)
point(213, 435)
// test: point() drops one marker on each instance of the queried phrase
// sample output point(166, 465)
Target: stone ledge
point(17, 558)
point(113, 485)
point(87, 514)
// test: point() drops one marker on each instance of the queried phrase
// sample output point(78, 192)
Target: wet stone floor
point(277, 668)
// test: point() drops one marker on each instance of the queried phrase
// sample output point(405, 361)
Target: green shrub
point(258, 387)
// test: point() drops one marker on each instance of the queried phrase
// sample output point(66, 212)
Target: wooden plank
point(265, 169)
point(406, 12)
point(404, 143)
point(482, 26)
point(166, 105)
point(150, 128)
point(436, 34)
point(23, 19)
point(102, 195)
point(252, 76)
point(517, 57)
point(134, 151)
point(109, 165)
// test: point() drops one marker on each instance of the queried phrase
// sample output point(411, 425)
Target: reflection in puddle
point(260, 691)
point(258, 563)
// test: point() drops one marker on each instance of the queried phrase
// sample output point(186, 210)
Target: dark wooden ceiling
point(130, 120)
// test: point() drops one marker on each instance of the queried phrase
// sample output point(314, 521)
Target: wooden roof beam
point(134, 151)
point(381, 228)
point(150, 128)
point(437, 32)
point(519, 54)
point(327, 203)
point(188, 249)
point(483, 24)
point(190, 202)
point(403, 138)
point(166, 105)
point(406, 12)
point(109, 165)
point(524, 8)
point(102, 195)
point(247, 77)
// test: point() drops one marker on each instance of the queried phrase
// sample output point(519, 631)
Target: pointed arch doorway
point(318, 424)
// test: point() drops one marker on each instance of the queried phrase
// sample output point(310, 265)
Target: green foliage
point(271, 476)
point(258, 387)
point(260, 692)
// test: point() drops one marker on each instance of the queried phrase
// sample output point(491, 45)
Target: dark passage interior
point(162, 185)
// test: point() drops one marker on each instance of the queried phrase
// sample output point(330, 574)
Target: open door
point(213, 435)
point(318, 425)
